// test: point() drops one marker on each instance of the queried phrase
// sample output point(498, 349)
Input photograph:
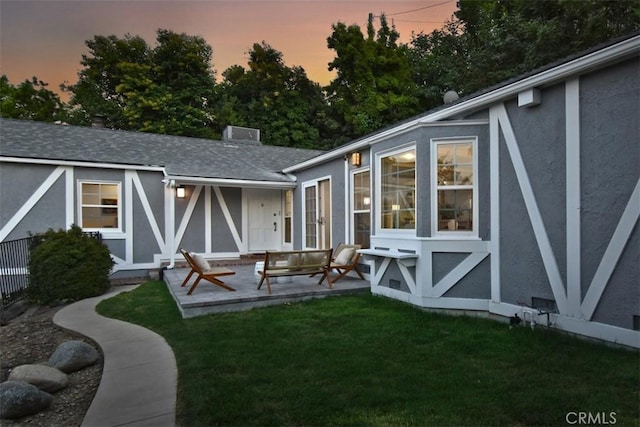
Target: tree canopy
point(30, 100)
point(171, 87)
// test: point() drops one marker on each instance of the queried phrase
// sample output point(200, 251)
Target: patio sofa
point(296, 263)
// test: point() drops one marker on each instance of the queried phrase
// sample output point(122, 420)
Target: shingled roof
point(180, 156)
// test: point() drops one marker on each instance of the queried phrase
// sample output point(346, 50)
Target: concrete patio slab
point(208, 298)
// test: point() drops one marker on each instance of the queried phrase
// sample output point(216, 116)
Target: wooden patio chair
point(201, 266)
point(345, 260)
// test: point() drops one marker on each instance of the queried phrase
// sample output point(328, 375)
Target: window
point(455, 185)
point(310, 217)
point(398, 190)
point(288, 209)
point(100, 205)
point(361, 208)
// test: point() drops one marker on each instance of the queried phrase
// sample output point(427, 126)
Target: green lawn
point(365, 360)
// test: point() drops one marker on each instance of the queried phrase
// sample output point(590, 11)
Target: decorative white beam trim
point(142, 195)
point(539, 230)
point(406, 275)
point(187, 215)
point(573, 204)
point(455, 275)
point(208, 219)
point(612, 253)
point(128, 216)
point(228, 217)
point(494, 188)
point(117, 260)
point(69, 197)
point(31, 202)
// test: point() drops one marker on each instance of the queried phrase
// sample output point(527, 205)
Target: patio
point(208, 298)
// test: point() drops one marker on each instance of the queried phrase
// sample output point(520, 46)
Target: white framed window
point(454, 186)
point(396, 188)
point(361, 207)
point(100, 205)
point(288, 216)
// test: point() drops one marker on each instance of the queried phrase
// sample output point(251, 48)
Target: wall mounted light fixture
point(180, 192)
point(355, 159)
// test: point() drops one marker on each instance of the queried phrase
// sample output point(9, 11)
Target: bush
point(67, 266)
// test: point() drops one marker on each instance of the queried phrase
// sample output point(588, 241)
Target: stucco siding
point(221, 236)
point(18, 183)
point(476, 284)
point(610, 171)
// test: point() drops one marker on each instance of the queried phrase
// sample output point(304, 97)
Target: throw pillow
point(201, 262)
point(345, 256)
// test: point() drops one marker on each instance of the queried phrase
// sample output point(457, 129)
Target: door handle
point(275, 226)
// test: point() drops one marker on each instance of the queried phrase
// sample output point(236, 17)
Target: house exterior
point(521, 200)
point(147, 194)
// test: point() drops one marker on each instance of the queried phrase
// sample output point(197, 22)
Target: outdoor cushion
point(201, 262)
point(293, 261)
point(345, 256)
point(313, 258)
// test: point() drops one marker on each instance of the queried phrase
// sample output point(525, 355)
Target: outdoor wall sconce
point(180, 192)
point(355, 159)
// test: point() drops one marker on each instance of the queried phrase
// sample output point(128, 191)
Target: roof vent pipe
point(450, 96)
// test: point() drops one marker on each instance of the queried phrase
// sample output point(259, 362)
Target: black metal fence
point(14, 267)
point(14, 271)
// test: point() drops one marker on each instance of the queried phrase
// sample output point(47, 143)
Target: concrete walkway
point(139, 377)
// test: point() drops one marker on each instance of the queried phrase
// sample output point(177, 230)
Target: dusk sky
point(46, 38)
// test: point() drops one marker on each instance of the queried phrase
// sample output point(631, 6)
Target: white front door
point(265, 219)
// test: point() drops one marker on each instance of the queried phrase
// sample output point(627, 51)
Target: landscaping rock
point(19, 399)
point(71, 356)
point(44, 377)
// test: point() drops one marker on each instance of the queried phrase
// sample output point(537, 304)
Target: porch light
point(181, 192)
point(355, 159)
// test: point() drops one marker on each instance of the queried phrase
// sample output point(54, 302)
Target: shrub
point(67, 266)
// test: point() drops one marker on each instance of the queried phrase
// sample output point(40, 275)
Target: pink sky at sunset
point(46, 38)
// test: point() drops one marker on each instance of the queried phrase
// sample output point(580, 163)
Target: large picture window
point(398, 190)
point(100, 205)
point(361, 208)
point(455, 184)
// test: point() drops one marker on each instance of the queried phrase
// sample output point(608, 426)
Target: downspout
point(170, 215)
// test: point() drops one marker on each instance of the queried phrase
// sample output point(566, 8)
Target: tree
point(279, 100)
point(95, 91)
point(30, 100)
point(490, 41)
point(373, 86)
point(174, 93)
point(166, 89)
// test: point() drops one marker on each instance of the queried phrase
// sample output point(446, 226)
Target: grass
point(370, 361)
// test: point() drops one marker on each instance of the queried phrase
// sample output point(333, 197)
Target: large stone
point(44, 377)
point(19, 399)
point(71, 356)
